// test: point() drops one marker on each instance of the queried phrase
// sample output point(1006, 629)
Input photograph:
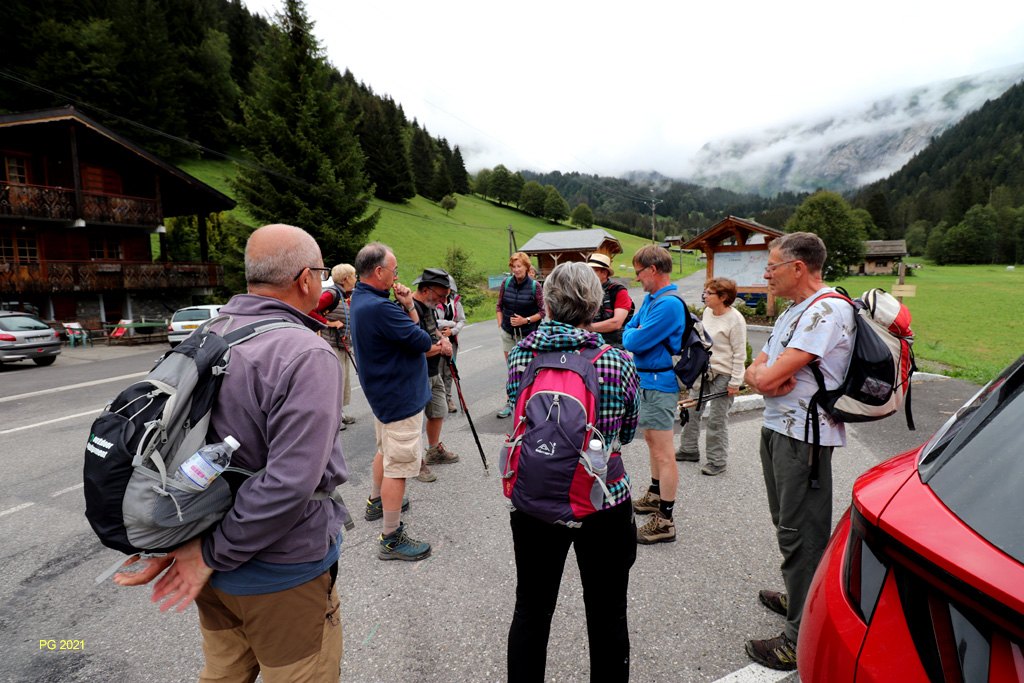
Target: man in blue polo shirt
point(654, 333)
point(390, 348)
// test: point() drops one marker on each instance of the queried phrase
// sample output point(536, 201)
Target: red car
point(923, 579)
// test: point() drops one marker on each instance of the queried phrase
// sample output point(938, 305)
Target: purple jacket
point(281, 398)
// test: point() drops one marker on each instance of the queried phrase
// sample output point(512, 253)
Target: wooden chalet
point(737, 248)
point(552, 248)
point(881, 257)
point(78, 206)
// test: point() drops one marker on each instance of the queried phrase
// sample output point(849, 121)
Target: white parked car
point(185, 320)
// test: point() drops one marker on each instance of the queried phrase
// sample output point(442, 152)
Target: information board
point(745, 267)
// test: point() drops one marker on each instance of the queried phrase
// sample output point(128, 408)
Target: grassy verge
point(966, 319)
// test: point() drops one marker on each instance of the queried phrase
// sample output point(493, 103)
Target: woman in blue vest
point(520, 308)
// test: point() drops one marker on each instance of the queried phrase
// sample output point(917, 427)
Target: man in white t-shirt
point(809, 331)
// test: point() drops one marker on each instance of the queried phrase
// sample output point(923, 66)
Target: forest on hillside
point(206, 78)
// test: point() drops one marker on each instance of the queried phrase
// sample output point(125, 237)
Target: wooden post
point(76, 172)
point(204, 244)
point(902, 271)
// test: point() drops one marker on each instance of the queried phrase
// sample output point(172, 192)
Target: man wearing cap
point(432, 289)
point(616, 306)
point(390, 348)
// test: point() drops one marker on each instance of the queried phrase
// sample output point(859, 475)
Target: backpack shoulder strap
point(253, 329)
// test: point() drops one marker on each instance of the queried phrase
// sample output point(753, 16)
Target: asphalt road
point(692, 602)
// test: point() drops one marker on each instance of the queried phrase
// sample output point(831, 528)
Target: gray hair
point(370, 257)
point(341, 272)
point(802, 246)
point(277, 267)
point(573, 293)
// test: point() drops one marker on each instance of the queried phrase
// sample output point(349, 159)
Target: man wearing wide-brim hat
point(617, 305)
point(432, 288)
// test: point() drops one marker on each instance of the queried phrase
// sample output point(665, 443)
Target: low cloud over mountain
point(850, 148)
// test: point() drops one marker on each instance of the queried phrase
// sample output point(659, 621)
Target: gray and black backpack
point(146, 432)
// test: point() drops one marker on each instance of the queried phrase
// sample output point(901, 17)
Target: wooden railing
point(40, 201)
point(99, 276)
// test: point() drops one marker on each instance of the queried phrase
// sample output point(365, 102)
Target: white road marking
point(48, 422)
point(72, 386)
point(755, 673)
point(67, 490)
point(464, 351)
point(15, 509)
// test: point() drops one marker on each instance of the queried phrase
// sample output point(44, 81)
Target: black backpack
point(146, 432)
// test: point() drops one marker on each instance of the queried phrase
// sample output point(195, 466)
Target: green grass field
point(965, 318)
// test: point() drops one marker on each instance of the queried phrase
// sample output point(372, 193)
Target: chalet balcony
point(100, 276)
point(58, 203)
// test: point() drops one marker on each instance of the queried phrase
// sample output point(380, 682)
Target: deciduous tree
point(555, 208)
point(828, 216)
point(582, 217)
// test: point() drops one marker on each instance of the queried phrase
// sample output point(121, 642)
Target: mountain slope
point(850, 148)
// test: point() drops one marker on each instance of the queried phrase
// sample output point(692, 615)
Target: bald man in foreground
point(264, 578)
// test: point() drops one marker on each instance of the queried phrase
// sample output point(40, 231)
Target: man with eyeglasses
point(263, 579)
point(653, 335)
point(432, 289)
point(808, 332)
point(390, 348)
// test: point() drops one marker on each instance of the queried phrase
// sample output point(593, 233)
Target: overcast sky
point(607, 88)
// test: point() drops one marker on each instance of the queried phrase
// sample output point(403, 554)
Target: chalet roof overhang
point(885, 249)
point(181, 193)
point(741, 230)
point(561, 241)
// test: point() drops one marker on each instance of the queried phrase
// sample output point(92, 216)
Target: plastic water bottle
point(598, 460)
point(207, 463)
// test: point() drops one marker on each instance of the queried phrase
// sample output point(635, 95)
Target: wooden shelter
point(552, 248)
point(737, 248)
point(881, 257)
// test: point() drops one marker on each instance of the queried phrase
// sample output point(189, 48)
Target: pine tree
point(421, 154)
point(460, 178)
point(387, 161)
point(309, 168)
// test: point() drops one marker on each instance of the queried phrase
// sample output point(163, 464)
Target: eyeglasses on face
point(708, 292)
point(324, 273)
point(770, 268)
point(392, 270)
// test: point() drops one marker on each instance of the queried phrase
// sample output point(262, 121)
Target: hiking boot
point(399, 546)
point(342, 426)
point(775, 653)
point(425, 474)
point(437, 455)
point(505, 411)
point(648, 503)
point(686, 456)
point(346, 420)
point(774, 600)
point(712, 470)
point(658, 529)
point(451, 407)
point(375, 509)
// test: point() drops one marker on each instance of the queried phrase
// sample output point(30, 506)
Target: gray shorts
point(509, 341)
point(438, 406)
point(658, 409)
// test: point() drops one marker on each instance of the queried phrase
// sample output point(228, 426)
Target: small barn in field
point(880, 257)
point(551, 248)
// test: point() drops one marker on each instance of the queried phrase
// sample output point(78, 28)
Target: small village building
point(79, 208)
point(881, 257)
point(552, 248)
point(737, 248)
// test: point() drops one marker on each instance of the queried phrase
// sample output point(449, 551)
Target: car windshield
point(191, 314)
point(975, 463)
point(21, 323)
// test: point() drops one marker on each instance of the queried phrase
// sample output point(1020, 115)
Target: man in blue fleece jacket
point(390, 348)
point(654, 333)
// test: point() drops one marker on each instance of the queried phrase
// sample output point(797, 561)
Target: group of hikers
point(264, 578)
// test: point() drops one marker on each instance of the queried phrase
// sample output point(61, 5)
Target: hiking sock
point(391, 521)
point(655, 486)
point(665, 507)
point(375, 491)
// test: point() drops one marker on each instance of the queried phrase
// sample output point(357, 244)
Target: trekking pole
point(465, 409)
point(351, 356)
point(698, 402)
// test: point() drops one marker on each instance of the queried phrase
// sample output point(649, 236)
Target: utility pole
point(653, 203)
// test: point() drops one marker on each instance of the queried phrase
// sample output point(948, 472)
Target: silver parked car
point(24, 336)
point(185, 320)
